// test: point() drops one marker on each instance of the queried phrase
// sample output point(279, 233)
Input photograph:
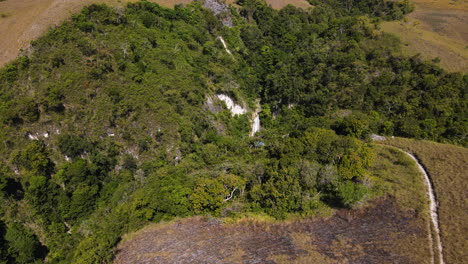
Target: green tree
point(34, 158)
point(23, 244)
point(82, 202)
point(349, 193)
point(72, 145)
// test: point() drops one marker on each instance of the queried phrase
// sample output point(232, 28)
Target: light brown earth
point(436, 28)
point(24, 20)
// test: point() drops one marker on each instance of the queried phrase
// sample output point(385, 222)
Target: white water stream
point(224, 45)
point(255, 124)
point(432, 210)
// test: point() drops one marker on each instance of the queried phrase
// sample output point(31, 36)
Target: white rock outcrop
point(233, 107)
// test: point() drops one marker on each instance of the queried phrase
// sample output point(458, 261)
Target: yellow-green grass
point(436, 29)
point(24, 20)
point(394, 173)
point(447, 166)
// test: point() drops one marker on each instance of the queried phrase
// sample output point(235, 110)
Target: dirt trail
point(432, 210)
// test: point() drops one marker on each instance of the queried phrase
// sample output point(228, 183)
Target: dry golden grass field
point(24, 20)
point(447, 166)
point(436, 28)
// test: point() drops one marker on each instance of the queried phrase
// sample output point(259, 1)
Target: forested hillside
point(112, 121)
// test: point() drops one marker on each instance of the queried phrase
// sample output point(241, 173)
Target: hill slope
point(436, 29)
point(122, 117)
point(347, 236)
point(23, 20)
point(447, 166)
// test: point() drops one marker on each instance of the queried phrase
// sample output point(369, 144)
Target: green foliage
point(386, 9)
point(72, 146)
point(23, 245)
point(3, 244)
point(208, 195)
point(3, 182)
point(349, 193)
point(359, 71)
point(81, 202)
point(9, 73)
point(123, 94)
point(34, 159)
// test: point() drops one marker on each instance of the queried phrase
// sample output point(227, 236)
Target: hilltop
point(120, 117)
point(22, 21)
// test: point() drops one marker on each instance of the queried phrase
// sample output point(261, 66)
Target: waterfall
point(255, 124)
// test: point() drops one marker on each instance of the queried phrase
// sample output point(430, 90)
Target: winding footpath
point(432, 211)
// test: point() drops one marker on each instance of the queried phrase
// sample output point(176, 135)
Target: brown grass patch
point(447, 166)
point(381, 233)
point(436, 29)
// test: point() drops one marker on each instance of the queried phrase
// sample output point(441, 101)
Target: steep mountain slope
point(124, 116)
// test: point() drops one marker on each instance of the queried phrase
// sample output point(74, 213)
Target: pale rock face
point(239, 110)
point(233, 107)
point(219, 7)
point(33, 137)
point(377, 137)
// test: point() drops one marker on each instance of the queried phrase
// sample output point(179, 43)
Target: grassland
point(24, 20)
point(447, 166)
point(436, 29)
point(393, 173)
point(392, 226)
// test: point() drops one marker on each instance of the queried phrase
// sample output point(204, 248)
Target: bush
point(72, 145)
point(349, 193)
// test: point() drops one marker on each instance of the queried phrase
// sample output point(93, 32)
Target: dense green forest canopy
point(106, 125)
